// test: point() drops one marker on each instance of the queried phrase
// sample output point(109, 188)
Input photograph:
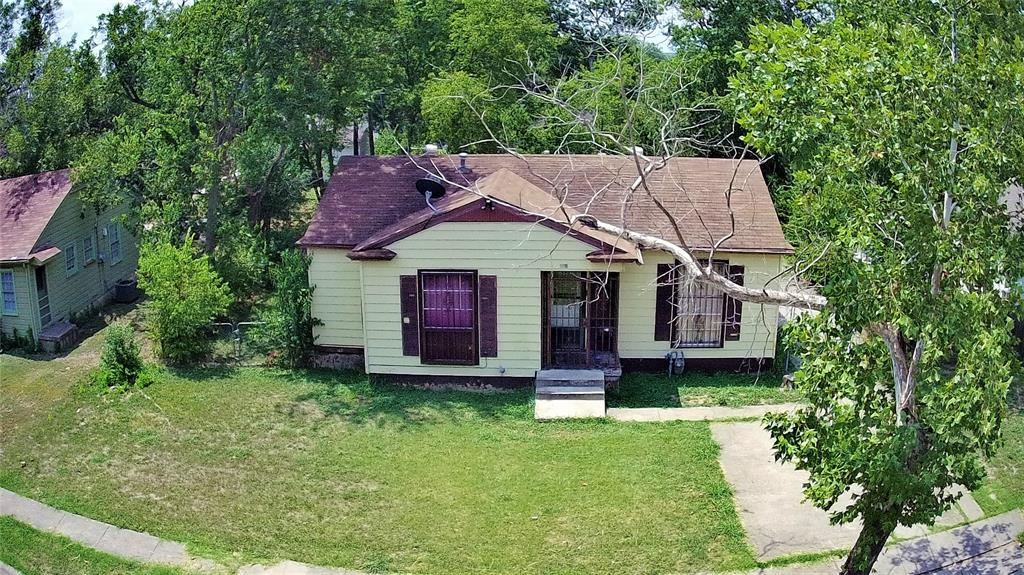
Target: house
point(488, 283)
point(58, 257)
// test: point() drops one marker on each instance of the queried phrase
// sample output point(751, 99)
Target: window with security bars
point(699, 311)
point(448, 308)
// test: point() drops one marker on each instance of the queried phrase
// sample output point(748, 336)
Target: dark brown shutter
point(488, 316)
point(410, 316)
point(734, 307)
point(663, 305)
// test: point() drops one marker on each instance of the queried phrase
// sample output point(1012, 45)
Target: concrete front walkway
point(710, 413)
point(133, 545)
point(769, 499)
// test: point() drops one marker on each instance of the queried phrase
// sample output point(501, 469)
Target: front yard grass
point(326, 468)
point(1003, 489)
point(700, 389)
point(33, 552)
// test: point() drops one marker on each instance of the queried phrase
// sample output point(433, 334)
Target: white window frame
point(114, 238)
point(7, 277)
point(88, 250)
point(70, 260)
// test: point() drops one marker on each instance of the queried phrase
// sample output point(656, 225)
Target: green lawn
point(1003, 489)
point(36, 553)
point(326, 468)
point(693, 389)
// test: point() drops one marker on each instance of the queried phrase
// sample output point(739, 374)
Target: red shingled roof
point(369, 193)
point(26, 206)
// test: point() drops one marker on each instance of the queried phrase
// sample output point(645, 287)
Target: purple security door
point(449, 318)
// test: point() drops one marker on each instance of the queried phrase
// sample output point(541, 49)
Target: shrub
point(288, 322)
point(120, 362)
point(185, 295)
point(241, 259)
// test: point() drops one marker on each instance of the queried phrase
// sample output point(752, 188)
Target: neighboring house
point(58, 257)
point(478, 286)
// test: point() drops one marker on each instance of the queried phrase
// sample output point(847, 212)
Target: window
point(114, 237)
point(10, 297)
point(448, 311)
point(699, 312)
point(88, 250)
point(70, 260)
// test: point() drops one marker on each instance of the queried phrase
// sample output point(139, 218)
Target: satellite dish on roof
point(431, 190)
point(434, 188)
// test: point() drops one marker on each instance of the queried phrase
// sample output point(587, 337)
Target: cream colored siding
point(94, 280)
point(515, 253)
point(637, 304)
point(336, 298)
point(24, 320)
point(361, 299)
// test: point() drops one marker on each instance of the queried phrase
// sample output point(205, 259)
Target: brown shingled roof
point(26, 205)
point(369, 193)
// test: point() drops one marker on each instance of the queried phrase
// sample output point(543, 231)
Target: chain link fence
point(238, 343)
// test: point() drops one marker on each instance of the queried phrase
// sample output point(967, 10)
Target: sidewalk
point(712, 413)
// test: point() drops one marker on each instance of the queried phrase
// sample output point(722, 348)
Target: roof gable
point(705, 196)
point(27, 204)
point(500, 197)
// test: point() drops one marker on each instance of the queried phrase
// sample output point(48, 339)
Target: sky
point(79, 17)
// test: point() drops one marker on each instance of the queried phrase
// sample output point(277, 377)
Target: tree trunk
point(212, 211)
point(869, 544)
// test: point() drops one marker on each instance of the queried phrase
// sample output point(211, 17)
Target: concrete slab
point(770, 500)
point(584, 375)
point(127, 543)
point(6, 569)
point(703, 413)
point(769, 497)
point(169, 553)
point(563, 408)
point(42, 517)
point(86, 531)
point(987, 546)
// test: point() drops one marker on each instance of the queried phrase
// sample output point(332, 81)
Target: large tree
point(904, 125)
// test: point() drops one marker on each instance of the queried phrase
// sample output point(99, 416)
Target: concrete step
point(570, 390)
point(569, 407)
point(570, 377)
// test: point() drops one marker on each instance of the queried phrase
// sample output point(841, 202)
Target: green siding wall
point(337, 298)
point(23, 290)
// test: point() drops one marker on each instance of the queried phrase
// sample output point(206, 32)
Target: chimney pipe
point(462, 162)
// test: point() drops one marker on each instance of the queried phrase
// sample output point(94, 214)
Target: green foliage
point(288, 321)
point(121, 361)
point(503, 39)
point(184, 295)
point(242, 259)
point(880, 126)
point(16, 340)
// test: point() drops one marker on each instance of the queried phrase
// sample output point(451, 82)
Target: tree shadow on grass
point(357, 398)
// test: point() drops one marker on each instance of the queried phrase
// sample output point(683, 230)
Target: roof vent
point(430, 150)
point(462, 162)
point(431, 189)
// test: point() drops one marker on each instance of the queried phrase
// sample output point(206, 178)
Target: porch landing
point(569, 393)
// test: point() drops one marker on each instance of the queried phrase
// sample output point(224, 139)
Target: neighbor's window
point(88, 249)
point(70, 259)
point(114, 236)
point(448, 309)
point(699, 312)
point(10, 298)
